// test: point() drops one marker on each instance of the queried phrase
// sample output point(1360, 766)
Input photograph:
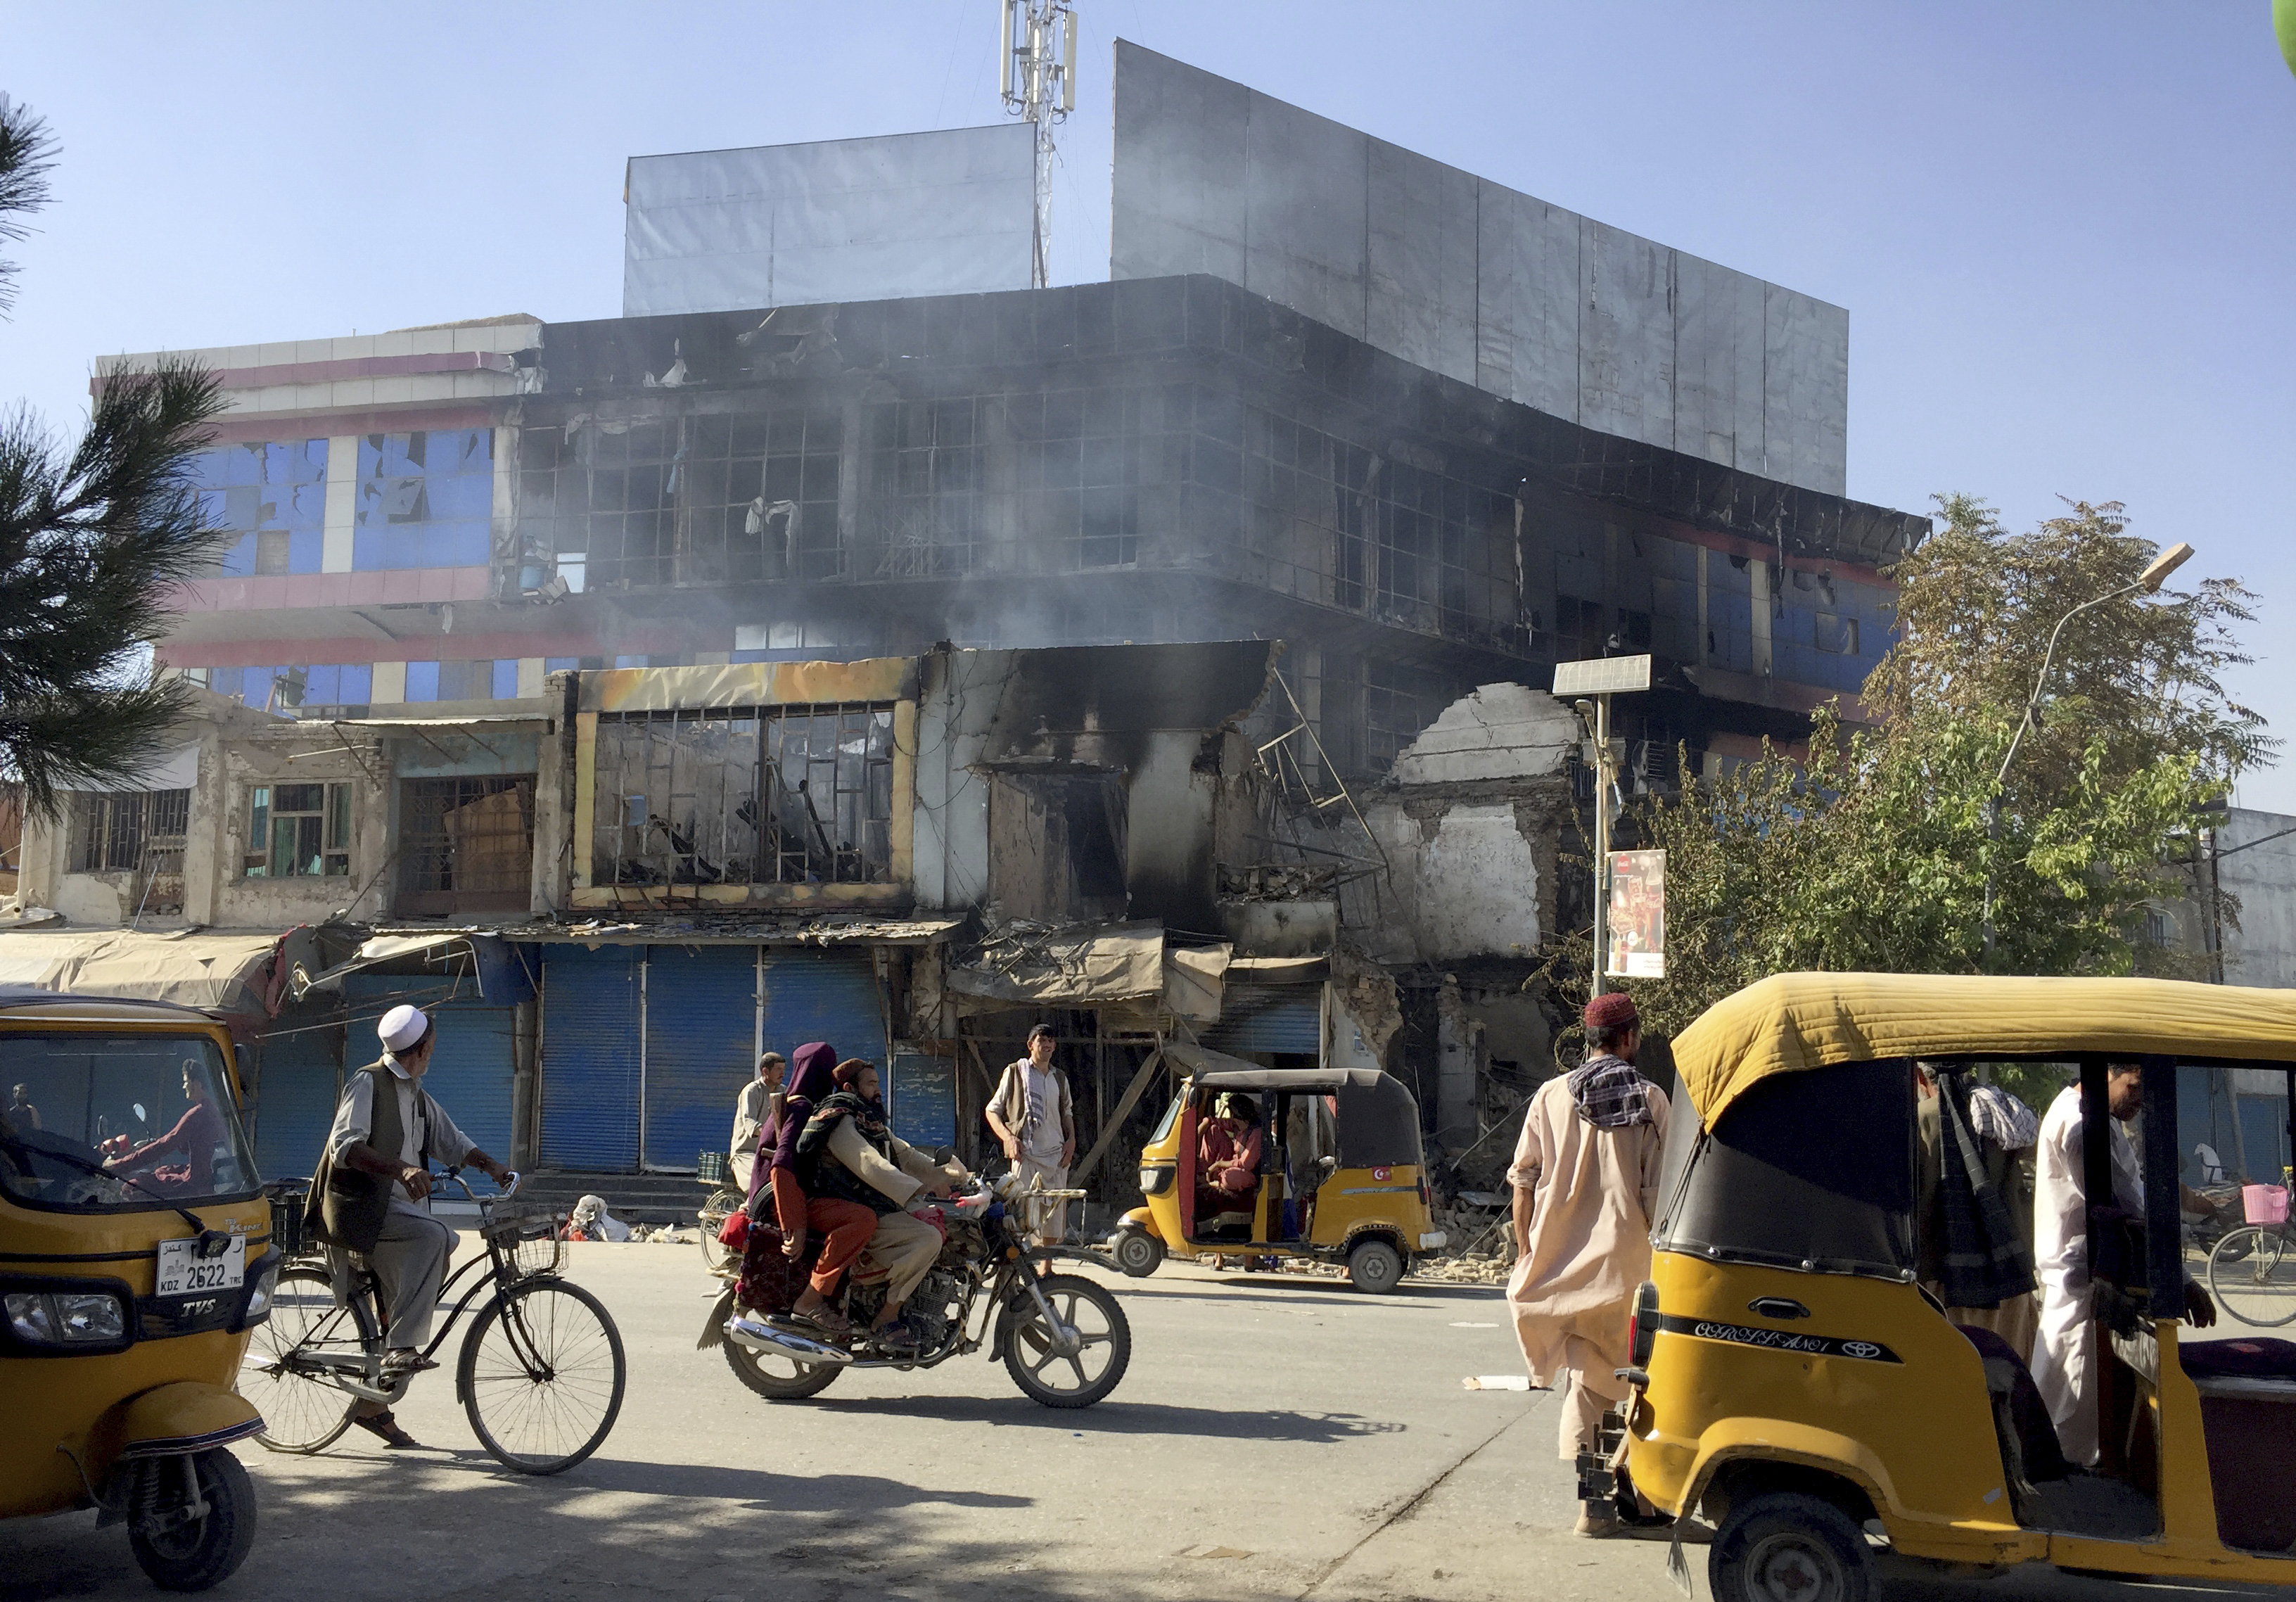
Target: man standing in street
point(760, 1099)
point(1586, 1181)
point(369, 1193)
point(1032, 1114)
point(2064, 1360)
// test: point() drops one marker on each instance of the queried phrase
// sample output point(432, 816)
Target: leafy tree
point(93, 539)
point(1874, 849)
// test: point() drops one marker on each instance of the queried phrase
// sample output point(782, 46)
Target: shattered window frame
point(445, 869)
point(282, 821)
point(732, 796)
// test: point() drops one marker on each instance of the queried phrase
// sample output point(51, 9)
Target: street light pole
point(2150, 582)
point(1599, 677)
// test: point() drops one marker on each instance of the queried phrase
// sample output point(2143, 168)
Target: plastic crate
point(711, 1168)
point(287, 1199)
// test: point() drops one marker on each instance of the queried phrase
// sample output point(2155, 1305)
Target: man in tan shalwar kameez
point(1586, 1181)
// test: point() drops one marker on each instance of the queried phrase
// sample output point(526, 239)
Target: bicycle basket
point(527, 1234)
point(287, 1199)
point(711, 1167)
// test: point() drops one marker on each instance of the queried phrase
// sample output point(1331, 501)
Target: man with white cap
point(369, 1192)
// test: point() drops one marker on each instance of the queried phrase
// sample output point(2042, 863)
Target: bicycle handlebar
point(506, 1191)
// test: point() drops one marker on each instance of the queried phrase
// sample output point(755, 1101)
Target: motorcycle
point(1061, 1337)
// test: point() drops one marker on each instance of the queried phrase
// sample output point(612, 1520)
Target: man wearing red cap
point(1586, 1180)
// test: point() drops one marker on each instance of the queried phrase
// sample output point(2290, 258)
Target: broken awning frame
point(502, 972)
point(1083, 967)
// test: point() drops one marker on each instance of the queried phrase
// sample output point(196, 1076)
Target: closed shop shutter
point(921, 1096)
point(1269, 1017)
point(701, 1048)
point(296, 1089)
point(823, 995)
point(471, 1065)
point(590, 1055)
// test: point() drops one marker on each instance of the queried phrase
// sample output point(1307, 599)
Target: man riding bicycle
point(369, 1193)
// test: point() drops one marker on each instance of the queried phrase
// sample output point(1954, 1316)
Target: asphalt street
point(1276, 1436)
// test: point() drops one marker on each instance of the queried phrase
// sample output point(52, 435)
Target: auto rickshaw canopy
point(1792, 1021)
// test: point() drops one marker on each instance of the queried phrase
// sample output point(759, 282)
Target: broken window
point(465, 845)
point(1400, 700)
point(923, 471)
point(270, 498)
point(771, 795)
point(1056, 846)
point(117, 832)
point(298, 830)
point(423, 499)
point(756, 493)
point(1836, 635)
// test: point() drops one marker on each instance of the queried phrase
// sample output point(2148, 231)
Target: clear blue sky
point(2066, 233)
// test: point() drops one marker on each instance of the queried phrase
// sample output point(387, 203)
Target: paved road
point(1301, 1440)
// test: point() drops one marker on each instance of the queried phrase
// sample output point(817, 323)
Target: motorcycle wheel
point(1071, 1380)
point(778, 1378)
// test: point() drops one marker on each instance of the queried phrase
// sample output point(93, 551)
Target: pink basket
point(2265, 1204)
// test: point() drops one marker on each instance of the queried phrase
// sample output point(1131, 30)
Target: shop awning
point(1068, 967)
point(502, 976)
point(216, 973)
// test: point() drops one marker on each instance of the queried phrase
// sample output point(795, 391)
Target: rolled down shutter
point(296, 1087)
point(823, 995)
point(920, 1096)
point(590, 1057)
point(471, 1066)
point(1269, 1017)
point(701, 1034)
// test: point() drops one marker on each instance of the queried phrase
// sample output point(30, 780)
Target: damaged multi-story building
point(1430, 434)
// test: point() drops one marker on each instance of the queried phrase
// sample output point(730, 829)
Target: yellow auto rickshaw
point(1251, 1162)
point(1797, 1381)
point(133, 1261)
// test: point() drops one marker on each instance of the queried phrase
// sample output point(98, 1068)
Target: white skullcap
point(401, 1027)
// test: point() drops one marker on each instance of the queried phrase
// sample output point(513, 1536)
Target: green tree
point(93, 537)
point(1873, 849)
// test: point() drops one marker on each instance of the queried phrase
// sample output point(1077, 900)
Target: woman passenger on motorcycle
point(846, 1225)
point(847, 1150)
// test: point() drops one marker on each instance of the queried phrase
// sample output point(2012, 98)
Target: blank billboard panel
point(944, 213)
point(1473, 280)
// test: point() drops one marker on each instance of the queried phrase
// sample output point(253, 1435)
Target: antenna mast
point(1036, 52)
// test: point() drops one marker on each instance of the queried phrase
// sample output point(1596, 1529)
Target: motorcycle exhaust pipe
point(774, 1341)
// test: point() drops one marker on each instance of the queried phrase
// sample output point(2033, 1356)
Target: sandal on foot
point(386, 1426)
point(826, 1320)
point(402, 1361)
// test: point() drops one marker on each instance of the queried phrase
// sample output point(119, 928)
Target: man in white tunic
point(1585, 1178)
point(2064, 1350)
point(1032, 1116)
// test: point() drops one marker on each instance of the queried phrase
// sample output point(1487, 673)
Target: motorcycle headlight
point(67, 1317)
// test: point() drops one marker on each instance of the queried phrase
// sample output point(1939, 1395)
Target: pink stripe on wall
point(458, 647)
point(321, 425)
point(380, 587)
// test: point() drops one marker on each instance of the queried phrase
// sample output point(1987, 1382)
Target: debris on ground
point(1496, 1381)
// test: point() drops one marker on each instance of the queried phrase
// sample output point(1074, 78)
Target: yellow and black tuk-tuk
point(1253, 1163)
point(135, 1262)
point(1795, 1380)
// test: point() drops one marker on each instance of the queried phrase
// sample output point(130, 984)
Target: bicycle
point(541, 1371)
point(716, 1177)
point(2253, 1274)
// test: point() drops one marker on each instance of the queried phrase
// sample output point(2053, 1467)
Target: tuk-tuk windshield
point(110, 1123)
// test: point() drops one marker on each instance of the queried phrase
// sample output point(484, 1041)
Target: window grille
point(298, 832)
point(465, 845)
point(116, 830)
point(773, 795)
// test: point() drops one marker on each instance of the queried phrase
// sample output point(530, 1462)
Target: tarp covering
point(1793, 1022)
point(1192, 981)
point(217, 973)
point(1078, 967)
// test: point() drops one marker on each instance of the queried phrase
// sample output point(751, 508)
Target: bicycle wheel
point(720, 1206)
point(2252, 1276)
point(303, 1412)
point(541, 1376)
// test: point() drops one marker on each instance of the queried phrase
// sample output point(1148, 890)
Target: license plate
point(183, 1272)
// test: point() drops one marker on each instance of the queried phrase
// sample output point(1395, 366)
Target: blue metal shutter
point(471, 1066)
point(590, 1055)
point(700, 1035)
point(296, 1089)
point(1269, 1017)
point(921, 1095)
point(812, 995)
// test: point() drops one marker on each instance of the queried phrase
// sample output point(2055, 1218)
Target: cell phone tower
point(1036, 50)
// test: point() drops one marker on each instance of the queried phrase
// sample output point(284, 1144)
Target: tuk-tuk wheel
point(1783, 1547)
point(1137, 1253)
point(1374, 1267)
point(193, 1556)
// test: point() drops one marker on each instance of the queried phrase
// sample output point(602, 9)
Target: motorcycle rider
point(848, 1150)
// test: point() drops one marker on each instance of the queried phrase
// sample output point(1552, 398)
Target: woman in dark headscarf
point(846, 1226)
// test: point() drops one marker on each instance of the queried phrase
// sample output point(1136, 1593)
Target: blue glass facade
point(273, 497)
point(424, 499)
